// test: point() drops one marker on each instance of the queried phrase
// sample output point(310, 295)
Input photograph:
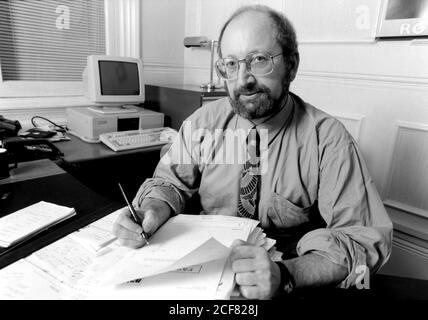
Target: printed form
point(178, 237)
point(195, 281)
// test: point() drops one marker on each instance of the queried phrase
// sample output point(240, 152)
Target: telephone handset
point(21, 149)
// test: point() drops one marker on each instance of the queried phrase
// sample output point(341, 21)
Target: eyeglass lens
point(258, 63)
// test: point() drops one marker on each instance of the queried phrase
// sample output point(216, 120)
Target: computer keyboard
point(133, 139)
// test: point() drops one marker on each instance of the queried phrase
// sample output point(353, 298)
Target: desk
point(77, 151)
point(43, 180)
point(100, 168)
point(50, 183)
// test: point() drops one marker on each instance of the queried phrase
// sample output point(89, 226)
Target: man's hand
point(152, 212)
point(257, 275)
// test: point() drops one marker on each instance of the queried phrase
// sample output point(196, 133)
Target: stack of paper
point(27, 222)
point(98, 234)
point(187, 258)
point(179, 236)
point(53, 272)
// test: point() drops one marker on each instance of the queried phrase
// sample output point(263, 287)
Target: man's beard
point(263, 103)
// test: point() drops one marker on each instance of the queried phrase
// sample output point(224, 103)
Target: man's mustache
point(239, 92)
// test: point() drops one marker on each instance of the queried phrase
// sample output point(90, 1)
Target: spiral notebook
point(27, 222)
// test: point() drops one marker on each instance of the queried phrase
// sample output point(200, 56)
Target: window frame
point(122, 32)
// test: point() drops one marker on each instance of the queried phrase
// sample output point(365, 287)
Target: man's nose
point(244, 77)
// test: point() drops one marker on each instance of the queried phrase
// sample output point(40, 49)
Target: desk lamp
point(204, 42)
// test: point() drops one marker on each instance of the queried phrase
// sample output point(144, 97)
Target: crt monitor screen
point(119, 78)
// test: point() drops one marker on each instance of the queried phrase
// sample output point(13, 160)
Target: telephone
point(21, 149)
point(9, 128)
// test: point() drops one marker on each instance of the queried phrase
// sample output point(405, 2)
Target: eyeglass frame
point(248, 64)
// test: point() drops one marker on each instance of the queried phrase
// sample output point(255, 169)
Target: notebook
point(27, 222)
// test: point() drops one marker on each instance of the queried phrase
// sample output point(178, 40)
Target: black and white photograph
point(214, 158)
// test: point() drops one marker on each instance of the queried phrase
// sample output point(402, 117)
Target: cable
point(60, 128)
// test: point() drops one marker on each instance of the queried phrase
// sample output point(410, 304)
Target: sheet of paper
point(93, 238)
point(30, 220)
point(95, 274)
point(106, 222)
point(178, 237)
point(256, 236)
point(191, 282)
point(226, 283)
point(275, 255)
point(65, 259)
point(268, 244)
point(24, 281)
point(98, 234)
point(208, 251)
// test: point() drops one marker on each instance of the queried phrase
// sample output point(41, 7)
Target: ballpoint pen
point(134, 214)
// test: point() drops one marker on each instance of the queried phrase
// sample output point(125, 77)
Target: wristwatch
point(287, 280)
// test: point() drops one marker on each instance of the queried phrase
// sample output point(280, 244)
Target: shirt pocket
point(285, 214)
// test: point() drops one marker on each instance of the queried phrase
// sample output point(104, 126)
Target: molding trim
point(163, 73)
point(160, 66)
point(410, 247)
point(408, 208)
point(412, 125)
point(356, 122)
point(151, 63)
point(364, 79)
point(415, 226)
point(337, 42)
point(419, 42)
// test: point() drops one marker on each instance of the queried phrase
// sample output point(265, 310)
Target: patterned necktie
point(247, 203)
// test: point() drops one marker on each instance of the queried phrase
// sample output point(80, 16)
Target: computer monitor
point(113, 83)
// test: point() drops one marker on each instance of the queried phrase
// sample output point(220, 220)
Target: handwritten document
point(178, 237)
point(26, 222)
point(65, 259)
point(93, 238)
point(187, 258)
point(198, 281)
point(23, 281)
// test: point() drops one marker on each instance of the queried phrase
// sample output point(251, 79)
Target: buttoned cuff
point(337, 247)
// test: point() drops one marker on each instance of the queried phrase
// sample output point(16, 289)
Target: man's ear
point(293, 62)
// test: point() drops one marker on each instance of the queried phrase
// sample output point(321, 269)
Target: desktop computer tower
point(88, 124)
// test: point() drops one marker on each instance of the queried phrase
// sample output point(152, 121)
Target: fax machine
point(88, 124)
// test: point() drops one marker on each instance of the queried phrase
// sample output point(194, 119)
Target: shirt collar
point(273, 124)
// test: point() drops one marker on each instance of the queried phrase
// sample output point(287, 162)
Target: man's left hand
point(257, 275)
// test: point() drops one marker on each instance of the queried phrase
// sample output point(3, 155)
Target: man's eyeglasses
point(258, 63)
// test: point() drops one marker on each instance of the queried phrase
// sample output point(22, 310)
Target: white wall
point(163, 34)
point(378, 89)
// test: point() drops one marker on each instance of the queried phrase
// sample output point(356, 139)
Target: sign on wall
point(404, 18)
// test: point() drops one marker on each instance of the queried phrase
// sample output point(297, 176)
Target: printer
point(87, 123)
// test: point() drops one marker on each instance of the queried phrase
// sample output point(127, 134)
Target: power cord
point(58, 127)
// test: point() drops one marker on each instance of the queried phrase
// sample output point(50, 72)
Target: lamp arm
point(213, 43)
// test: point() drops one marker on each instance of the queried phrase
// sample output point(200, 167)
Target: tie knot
point(253, 145)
